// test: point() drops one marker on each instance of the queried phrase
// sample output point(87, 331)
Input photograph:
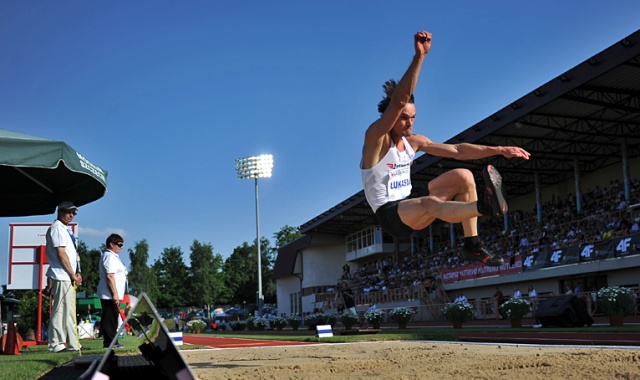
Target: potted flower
point(330, 319)
point(374, 316)
point(348, 319)
point(279, 323)
point(515, 309)
point(294, 321)
point(261, 324)
point(196, 325)
point(312, 320)
point(402, 315)
point(457, 313)
point(616, 302)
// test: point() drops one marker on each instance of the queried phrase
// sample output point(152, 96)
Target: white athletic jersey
point(390, 179)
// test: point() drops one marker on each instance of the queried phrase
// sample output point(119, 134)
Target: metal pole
point(258, 250)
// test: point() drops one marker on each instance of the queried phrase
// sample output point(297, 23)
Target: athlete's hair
point(389, 87)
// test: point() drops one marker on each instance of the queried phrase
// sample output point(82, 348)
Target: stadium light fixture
point(255, 167)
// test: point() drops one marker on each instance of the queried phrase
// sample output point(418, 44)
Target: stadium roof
point(587, 114)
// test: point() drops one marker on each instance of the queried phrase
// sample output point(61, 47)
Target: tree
point(141, 278)
point(286, 235)
point(241, 270)
point(241, 278)
point(172, 275)
point(28, 312)
point(90, 265)
point(206, 282)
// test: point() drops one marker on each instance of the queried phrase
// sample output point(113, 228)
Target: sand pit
point(415, 360)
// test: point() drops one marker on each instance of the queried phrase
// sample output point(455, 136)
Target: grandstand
point(574, 208)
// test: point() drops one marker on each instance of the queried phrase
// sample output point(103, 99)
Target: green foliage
point(90, 262)
point(401, 314)
point(279, 322)
point(286, 235)
point(238, 325)
point(294, 320)
point(28, 310)
point(515, 308)
point(313, 320)
point(251, 323)
point(196, 325)
point(616, 301)
point(206, 285)
point(141, 277)
point(348, 318)
point(374, 316)
point(172, 274)
point(458, 312)
point(261, 323)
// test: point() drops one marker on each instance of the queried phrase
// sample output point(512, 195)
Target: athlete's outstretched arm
point(377, 131)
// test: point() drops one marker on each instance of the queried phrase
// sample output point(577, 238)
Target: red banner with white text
point(469, 272)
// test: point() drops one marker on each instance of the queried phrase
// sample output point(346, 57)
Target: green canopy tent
point(90, 305)
point(84, 303)
point(36, 174)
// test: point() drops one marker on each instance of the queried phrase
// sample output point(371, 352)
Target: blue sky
point(166, 94)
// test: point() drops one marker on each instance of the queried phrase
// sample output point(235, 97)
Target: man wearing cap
point(64, 271)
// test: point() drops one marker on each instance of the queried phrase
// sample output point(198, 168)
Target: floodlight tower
point(256, 167)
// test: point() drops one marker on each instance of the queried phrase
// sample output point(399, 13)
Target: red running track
point(218, 342)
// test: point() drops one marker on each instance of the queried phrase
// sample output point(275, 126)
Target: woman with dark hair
point(113, 278)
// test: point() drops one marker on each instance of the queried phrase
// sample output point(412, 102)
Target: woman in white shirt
point(113, 278)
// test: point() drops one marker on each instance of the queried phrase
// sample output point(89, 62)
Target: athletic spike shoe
point(493, 191)
point(481, 254)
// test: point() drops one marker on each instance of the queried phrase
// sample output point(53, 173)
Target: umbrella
point(36, 174)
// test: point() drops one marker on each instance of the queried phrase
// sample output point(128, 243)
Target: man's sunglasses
point(74, 212)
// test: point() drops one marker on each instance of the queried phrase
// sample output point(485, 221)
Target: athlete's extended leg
point(451, 198)
point(456, 184)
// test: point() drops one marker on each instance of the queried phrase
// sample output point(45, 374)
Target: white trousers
point(62, 326)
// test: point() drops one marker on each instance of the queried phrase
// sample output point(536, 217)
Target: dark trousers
point(109, 321)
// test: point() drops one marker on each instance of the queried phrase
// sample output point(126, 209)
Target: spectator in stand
point(533, 297)
point(567, 289)
point(346, 271)
point(516, 293)
point(498, 299)
point(461, 298)
point(578, 290)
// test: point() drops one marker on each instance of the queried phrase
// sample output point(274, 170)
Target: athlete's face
point(404, 124)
